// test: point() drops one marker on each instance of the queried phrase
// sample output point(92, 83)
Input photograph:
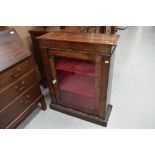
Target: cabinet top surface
point(12, 49)
point(91, 38)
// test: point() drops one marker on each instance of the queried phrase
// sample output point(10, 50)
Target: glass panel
point(76, 79)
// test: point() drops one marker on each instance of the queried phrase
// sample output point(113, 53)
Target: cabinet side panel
point(104, 86)
point(110, 78)
point(98, 78)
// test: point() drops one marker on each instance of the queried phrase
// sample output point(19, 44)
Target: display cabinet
point(78, 68)
point(70, 29)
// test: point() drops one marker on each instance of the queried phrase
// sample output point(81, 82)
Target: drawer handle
point(21, 87)
point(18, 70)
point(26, 99)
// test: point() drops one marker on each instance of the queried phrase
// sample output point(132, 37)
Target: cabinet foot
point(43, 104)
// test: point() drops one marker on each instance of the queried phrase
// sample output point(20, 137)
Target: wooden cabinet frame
point(101, 55)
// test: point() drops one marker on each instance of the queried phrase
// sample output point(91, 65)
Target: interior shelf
point(78, 84)
point(76, 66)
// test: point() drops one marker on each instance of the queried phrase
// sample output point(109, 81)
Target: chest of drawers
point(19, 89)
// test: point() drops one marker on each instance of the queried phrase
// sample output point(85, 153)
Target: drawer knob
point(26, 99)
point(17, 74)
point(21, 87)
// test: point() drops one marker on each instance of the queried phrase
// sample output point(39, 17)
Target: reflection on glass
point(76, 80)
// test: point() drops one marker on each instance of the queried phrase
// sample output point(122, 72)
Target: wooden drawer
point(8, 95)
point(19, 106)
point(14, 73)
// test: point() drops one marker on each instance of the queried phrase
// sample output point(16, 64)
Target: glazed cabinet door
point(76, 80)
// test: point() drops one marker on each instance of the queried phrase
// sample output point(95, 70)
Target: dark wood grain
point(48, 74)
point(98, 81)
point(14, 48)
point(97, 48)
point(71, 54)
point(18, 106)
point(105, 65)
point(54, 77)
point(105, 39)
point(39, 31)
point(85, 116)
point(37, 53)
point(19, 88)
point(90, 29)
point(14, 72)
point(9, 94)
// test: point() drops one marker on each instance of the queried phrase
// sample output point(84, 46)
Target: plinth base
point(90, 118)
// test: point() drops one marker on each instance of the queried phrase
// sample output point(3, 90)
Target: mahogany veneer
point(70, 29)
point(78, 67)
point(19, 89)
